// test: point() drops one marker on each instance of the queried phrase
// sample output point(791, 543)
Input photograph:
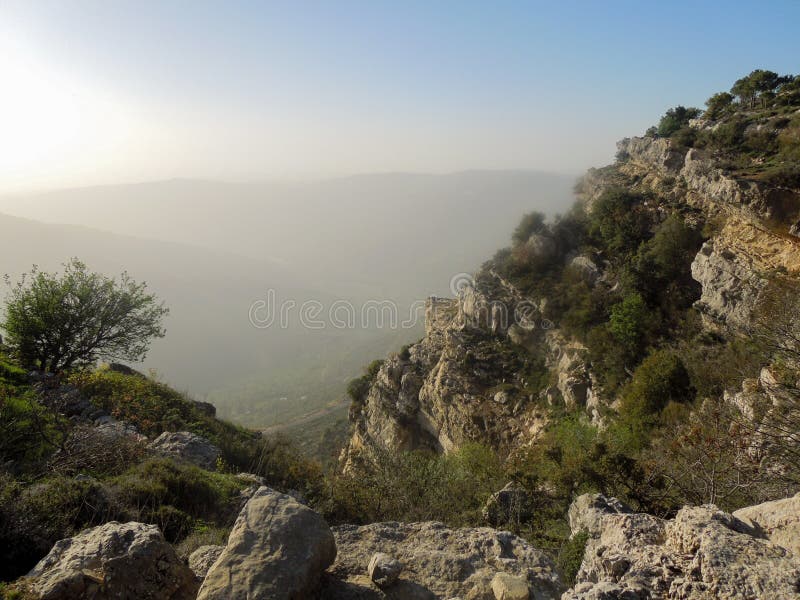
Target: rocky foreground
point(281, 549)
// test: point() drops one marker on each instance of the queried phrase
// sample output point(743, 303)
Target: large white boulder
point(277, 550)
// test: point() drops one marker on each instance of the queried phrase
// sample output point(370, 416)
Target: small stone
point(509, 587)
point(384, 569)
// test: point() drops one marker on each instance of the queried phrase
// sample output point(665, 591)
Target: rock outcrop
point(467, 379)
point(115, 560)
point(439, 563)
point(277, 550)
point(384, 570)
point(201, 560)
point(702, 553)
point(187, 446)
point(778, 521)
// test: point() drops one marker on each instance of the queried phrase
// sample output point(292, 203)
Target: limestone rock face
point(277, 550)
point(653, 154)
point(465, 381)
point(187, 446)
point(778, 521)
point(200, 560)
point(589, 511)
point(508, 587)
point(439, 562)
point(115, 560)
point(702, 553)
point(730, 285)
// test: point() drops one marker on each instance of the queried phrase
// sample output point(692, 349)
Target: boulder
point(702, 553)
point(383, 569)
point(439, 562)
point(778, 521)
point(115, 560)
point(509, 587)
point(277, 550)
point(187, 446)
point(200, 560)
point(589, 511)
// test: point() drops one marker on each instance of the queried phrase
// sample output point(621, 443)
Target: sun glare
point(49, 117)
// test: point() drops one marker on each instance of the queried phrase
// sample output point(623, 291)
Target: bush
point(416, 486)
point(570, 557)
point(531, 223)
point(618, 221)
point(29, 433)
point(675, 119)
point(660, 379)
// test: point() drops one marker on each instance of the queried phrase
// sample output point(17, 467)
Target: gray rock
point(115, 560)
point(200, 560)
point(589, 511)
point(187, 446)
point(509, 587)
point(778, 521)
point(702, 553)
point(731, 284)
point(440, 562)
point(383, 569)
point(277, 550)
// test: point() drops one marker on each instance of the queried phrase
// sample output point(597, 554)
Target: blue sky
point(125, 91)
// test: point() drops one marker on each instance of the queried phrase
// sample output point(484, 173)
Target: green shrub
point(415, 486)
point(570, 557)
point(675, 119)
point(660, 379)
point(29, 433)
point(531, 223)
point(618, 221)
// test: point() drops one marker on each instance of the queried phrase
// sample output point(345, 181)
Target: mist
point(213, 250)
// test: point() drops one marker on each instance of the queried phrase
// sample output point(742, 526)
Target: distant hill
point(397, 235)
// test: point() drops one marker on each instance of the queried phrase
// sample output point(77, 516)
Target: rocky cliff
point(471, 378)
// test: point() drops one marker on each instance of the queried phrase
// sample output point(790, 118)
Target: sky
point(115, 91)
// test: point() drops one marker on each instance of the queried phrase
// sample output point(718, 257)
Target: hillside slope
point(601, 338)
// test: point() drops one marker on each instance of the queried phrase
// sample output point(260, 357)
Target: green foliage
point(55, 322)
point(618, 221)
point(11, 374)
point(660, 378)
point(531, 223)
point(628, 323)
point(29, 433)
point(155, 407)
point(675, 119)
point(416, 486)
point(357, 388)
point(570, 557)
point(718, 105)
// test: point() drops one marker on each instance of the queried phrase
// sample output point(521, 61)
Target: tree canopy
point(54, 322)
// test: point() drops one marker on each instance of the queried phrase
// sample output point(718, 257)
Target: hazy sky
point(113, 91)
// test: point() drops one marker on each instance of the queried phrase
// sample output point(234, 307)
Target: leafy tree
point(618, 221)
point(55, 322)
point(660, 379)
point(531, 223)
point(759, 84)
point(708, 458)
point(628, 322)
point(675, 119)
point(718, 104)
